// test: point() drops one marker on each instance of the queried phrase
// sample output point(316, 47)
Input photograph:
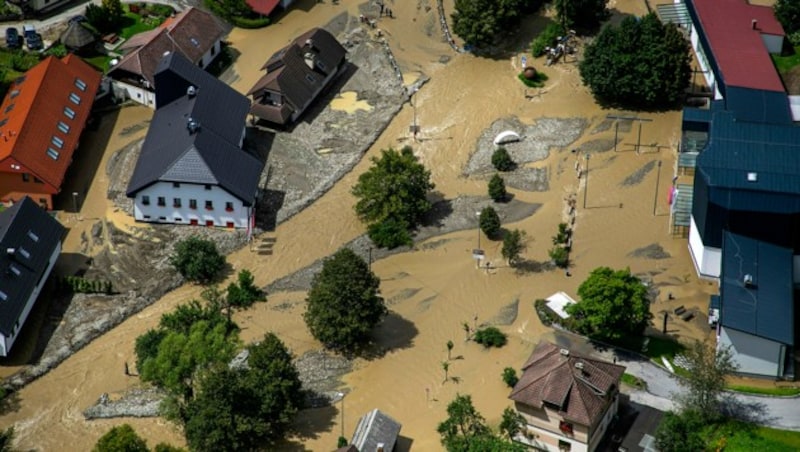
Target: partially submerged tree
point(465, 430)
point(343, 303)
point(638, 64)
point(392, 196)
point(489, 222)
point(512, 423)
point(480, 22)
point(243, 293)
point(197, 259)
point(502, 161)
point(513, 246)
point(614, 303)
point(121, 438)
point(679, 432)
point(497, 188)
point(583, 14)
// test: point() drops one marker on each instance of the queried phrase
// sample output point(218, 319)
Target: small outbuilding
point(78, 38)
point(376, 432)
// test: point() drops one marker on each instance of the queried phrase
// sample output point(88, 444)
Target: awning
point(674, 13)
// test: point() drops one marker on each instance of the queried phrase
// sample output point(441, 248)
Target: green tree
point(490, 337)
point(343, 303)
point(512, 423)
point(449, 349)
point(614, 303)
point(513, 246)
point(197, 259)
point(705, 379)
point(7, 439)
point(679, 432)
point(113, 10)
point(121, 438)
point(393, 190)
point(463, 424)
point(390, 233)
point(181, 356)
point(559, 255)
point(480, 22)
point(583, 14)
point(246, 408)
point(244, 293)
point(497, 188)
point(638, 64)
point(147, 346)
point(501, 160)
point(788, 14)
point(489, 222)
point(510, 377)
point(164, 447)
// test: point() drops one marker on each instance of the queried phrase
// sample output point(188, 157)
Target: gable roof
point(211, 154)
point(766, 307)
point(736, 46)
point(191, 33)
point(288, 73)
point(33, 235)
point(376, 428)
point(551, 377)
point(32, 109)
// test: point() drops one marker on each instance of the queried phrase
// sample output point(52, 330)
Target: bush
point(490, 337)
point(547, 38)
point(497, 188)
point(246, 22)
point(197, 259)
point(58, 51)
point(560, 256)
point(502, 161)
point(794, 38)
point(77, 284)
point(160, 10)
point(546, 315)
point(510, 377)
point(22, 61)
point(536, 82)
point(244, 293)
point(563, 234)
point(489, 222)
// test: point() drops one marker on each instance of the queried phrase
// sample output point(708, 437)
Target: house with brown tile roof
point(195, 34)
point(567, 400)
point(41, 120)
point(296, 75)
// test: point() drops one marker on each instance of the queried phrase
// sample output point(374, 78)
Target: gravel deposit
point(507, 315)
point(320, 373)
point(133, 403)
point(651, 251)
point(637, 176)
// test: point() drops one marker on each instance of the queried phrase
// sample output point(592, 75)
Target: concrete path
point(777, 412)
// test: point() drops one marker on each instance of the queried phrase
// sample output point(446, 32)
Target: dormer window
point(32, 235)
point(80, 84)
point(321, 65)
point(24, 253)
point(63, 127)
point(52, 153)
point(69, 113)
point(75, 98)
point(310, 78)
point(3, 296)
point(58, 142)
point(13, 269)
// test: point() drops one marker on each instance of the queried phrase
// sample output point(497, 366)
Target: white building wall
point(604, 423)
point(773, 43)
point(212, 53)
point(707, 260)
point(702, 60)
point(8, 342)
point(153, 213)
point(137, 94)
point(546, 440)
point(754, 355)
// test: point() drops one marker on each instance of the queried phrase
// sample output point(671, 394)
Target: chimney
point(192, 125)
point(380, 447)
point(565, 352)
point(754, 24)
point(748, 280)
point(191, 91)
point(309, 58)
point(310, 43)
point(579, 365)
point(11, 251)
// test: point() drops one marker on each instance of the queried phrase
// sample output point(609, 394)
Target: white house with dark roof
point(192, 168)
point(30, 241)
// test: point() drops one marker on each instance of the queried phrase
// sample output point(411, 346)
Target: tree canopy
point(245, 408)
point(343, 305)
point(197, 259)
point(614, 303)
point(244, 292)
point(679, 432)
point(788, 14)
point(465, 430)
point(489, 222)
point(705, 382)
point(513, 246)
point(497, 188)
point(640, 64)
point(121, 438)
point(392, 196)
point(480, 22)
point(583, 14)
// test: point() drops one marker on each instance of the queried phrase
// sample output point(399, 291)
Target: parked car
point(13, 40)
point(28, 31)
point(34, 42)
point(77, 19)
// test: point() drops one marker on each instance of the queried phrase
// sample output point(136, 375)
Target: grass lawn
point(784, 63)
point(768, 391)
point(133, 23)
point(735, 436)
point(652, 347)
point(634, 381)
point(99, 61)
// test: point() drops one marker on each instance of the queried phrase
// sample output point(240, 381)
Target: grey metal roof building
point(28, 239)
point(756, 288)
point(376, 432)
point(196, 134)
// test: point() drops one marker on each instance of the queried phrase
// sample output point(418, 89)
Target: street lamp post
point(75, 201)
point(478, 250)
point(658, 179)
point(586, 182)
point(341, 394)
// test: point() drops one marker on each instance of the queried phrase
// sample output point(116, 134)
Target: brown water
point(463, 97)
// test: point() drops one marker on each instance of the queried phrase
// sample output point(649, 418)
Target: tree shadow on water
point(395, 333)
point(307, 425)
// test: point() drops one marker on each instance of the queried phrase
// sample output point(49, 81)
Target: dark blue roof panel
point(757, 105)
point(764, 307)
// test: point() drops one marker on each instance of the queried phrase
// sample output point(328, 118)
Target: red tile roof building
point(41, 120)
point(567, 400)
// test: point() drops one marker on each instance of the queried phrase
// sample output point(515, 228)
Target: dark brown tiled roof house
point(296, 75)
point(194, 33)
point(567, 400)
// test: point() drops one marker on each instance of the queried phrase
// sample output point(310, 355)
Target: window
point(19, 80)
point(147, 217)
point(213, 50)
point(75, 98)
point(14, 93)
point(3, 296)
point(176, 185)
point(564, 445)
point(194, 42)
point(565, 427)
point(192, 203)
point(162, 218)
point(37, 180)
point(209, 223)
point(229, 207)
point(52, 153)
point(176, 202)
point(321, 64)
point(33, 236)
point(209, 205)
point(310, 78)
point(62, 126)
point(229, 225)
point(178, 219)
point(3, 122)
point(9, 108)
point(24, 253)
point(208, 187)
point(162, 201)
point(145, 200)
point(80, 84)
point(26, 177)
point(193, 221)
point(69, 113)
point(58, 142)
point(14, 269)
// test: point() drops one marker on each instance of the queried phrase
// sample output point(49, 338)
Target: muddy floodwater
point(433, 289)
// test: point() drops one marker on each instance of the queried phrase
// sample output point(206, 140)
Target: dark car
point(77, 19)
point(13, 40)
point(34, 42)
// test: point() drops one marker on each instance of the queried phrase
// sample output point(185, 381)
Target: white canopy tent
point(508, 136)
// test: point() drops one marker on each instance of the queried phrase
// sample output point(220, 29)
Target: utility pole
point(658, 179)
point(586, 182)
point(628, 118)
